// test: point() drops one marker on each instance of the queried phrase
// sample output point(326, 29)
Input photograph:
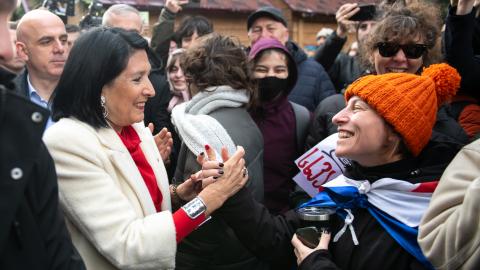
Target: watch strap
point(194, 208)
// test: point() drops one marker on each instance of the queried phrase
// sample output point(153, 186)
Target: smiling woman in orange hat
point(385, 131)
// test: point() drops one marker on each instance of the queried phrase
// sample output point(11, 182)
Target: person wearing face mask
point(282, 123)
point(313, 84)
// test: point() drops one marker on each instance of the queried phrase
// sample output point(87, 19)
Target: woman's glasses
point(411, 51)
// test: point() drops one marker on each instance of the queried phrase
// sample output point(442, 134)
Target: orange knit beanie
point(407, 101)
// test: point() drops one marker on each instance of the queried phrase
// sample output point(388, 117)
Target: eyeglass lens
point(412, 51)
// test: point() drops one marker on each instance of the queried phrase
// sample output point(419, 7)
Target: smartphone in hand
point(308, 236)
point(366, 13)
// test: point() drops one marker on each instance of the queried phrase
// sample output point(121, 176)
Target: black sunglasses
point(411, 51)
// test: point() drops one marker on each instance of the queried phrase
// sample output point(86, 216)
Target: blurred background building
point(305, 17)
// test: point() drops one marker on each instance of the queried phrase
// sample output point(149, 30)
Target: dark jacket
point(269, 236)
point(277, 120)
point(21, 84)
point(342, 68)
point(162, 33)
point(156, 108)
point(322, 125)
point(32, 229)
point(476, 35)
point(459, 51)
point(461, 44)
point(214, 245)
point(313, 84)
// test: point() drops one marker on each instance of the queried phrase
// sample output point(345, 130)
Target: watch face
point(194, 208)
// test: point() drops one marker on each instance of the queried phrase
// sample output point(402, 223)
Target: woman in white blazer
point(113, 185)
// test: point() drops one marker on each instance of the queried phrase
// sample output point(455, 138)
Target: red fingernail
point(207, 147)
point(201, 154)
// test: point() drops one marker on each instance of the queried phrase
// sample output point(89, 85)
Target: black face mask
point(271, 87)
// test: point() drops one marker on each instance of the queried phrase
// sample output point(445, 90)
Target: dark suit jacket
point(32, 229)
point(156, 108)
point(21, 84)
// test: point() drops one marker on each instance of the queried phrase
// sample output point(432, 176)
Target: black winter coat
point(268, 236)
point(156, 108)
point(459, 50)
point(32, 229)
point(322, 125)
point(313, 83)
point(342, 68)
point(21, 84)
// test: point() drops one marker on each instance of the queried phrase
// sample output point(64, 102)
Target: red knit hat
point(407, 101)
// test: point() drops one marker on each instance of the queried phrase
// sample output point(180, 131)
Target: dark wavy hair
point(192, 24)
point(218, 60)
point(96, 59)
point(401, 23)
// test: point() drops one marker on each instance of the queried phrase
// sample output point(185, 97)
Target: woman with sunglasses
point(403, 41)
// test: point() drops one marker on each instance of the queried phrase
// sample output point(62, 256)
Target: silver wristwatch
point(195, 208)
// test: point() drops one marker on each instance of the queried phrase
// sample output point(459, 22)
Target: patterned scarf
point(397, 205)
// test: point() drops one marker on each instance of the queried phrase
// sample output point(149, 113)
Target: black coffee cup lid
point(314, 213)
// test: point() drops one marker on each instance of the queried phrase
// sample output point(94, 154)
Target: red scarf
point(131, 140)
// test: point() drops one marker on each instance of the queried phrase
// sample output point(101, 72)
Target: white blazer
point(109, 211)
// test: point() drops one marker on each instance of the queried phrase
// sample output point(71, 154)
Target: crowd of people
point(178, 151)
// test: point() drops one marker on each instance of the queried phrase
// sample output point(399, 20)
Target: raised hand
point(164, 142)
point(343, 15)
point(234, 177)
point(210, 172)
point(464, 7)
point(175, 6)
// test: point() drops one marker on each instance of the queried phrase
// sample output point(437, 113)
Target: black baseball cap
point(266, 11)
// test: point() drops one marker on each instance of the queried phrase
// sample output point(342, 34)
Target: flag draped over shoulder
point(404, 202)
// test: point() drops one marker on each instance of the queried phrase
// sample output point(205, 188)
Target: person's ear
point(394, 140)
point(392, 135)
point(287, 34)
point(22, 50)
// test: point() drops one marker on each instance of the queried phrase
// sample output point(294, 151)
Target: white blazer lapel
point(123, 162)
point(153, 157)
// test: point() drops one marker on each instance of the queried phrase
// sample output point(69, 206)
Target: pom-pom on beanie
point(407, 101)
